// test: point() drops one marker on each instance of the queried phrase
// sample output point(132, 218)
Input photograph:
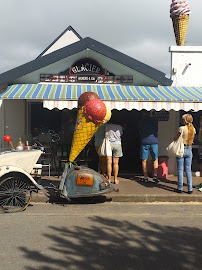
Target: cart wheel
point(15, 194)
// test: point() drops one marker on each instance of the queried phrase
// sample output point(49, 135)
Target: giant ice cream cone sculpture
point(89, 118)
point(179, 13)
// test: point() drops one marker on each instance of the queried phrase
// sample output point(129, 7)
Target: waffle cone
point(180, 24)
point(83, 132)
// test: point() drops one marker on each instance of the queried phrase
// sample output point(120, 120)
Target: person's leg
point(117, 153)
point(155, 165)
point(109, 168)
point(180, 169)
point(154, 155)
point(116, 169)
point(144, 157)
point(103, 165)
point(187, 168)
point(99, 162)
point(144, 167)
point(99, 166)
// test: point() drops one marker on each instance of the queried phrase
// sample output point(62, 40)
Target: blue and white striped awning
point(116, 96)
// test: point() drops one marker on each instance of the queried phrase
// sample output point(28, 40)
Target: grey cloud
point(140, 29)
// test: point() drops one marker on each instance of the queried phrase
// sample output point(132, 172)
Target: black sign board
point(87, 78)
point(101, 79)
point(86, 71)
point(160, 116)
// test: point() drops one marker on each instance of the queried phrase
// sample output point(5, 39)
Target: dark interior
point(63, 122)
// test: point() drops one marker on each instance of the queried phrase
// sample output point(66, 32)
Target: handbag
point(176, 148)
point(105, 147)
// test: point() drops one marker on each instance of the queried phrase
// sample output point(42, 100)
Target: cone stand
point(180, 24)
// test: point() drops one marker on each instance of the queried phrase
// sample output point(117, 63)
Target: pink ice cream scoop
point(179, 7)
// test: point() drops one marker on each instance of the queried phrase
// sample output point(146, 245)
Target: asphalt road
point(102, 236)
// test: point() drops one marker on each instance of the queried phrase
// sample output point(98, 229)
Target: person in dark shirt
point(149, 143)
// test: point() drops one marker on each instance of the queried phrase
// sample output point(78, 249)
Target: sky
point(140, 29)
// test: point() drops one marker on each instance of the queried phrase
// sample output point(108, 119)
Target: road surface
point(102, 236)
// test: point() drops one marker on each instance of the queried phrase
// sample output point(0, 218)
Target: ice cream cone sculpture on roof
point(89, 118)
point(179, 13)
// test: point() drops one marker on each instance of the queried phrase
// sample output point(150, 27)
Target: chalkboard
point(160, 116)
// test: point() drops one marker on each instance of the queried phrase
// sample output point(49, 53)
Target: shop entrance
point(63, 122)
point(130, 162)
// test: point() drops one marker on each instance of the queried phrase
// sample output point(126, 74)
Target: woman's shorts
point(102, 158)
point(116, 150)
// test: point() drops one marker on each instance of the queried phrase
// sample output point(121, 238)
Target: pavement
point(130, 189)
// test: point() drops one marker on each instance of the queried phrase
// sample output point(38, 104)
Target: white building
point(72, 65)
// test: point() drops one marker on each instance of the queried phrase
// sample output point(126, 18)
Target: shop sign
point(86, 79)
point(86, 71)
point(86, 66)
point(160, 116)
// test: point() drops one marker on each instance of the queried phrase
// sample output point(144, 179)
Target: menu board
point(162, 115)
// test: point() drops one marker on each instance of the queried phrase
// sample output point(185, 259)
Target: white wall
point(66, 39)
point(186, 69)
point(186, 65)
point(166, 132)
point(14, 120)
point(1, 123)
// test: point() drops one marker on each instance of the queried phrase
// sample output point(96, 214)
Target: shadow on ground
point(112, 244)
point(166, 184)
point(163, 184)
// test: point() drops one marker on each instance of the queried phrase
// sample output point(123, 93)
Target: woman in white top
point(113, 133)
point(184, 163)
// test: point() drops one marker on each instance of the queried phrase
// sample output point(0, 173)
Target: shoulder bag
point(105, 147)
point(176, 148)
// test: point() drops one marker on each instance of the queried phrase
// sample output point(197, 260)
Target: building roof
point(69, 28)
point(83, 44)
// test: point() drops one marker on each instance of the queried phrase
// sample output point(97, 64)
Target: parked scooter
point(17, 182)
point(81, 181)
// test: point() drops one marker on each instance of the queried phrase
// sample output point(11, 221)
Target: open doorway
point(63, 122)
